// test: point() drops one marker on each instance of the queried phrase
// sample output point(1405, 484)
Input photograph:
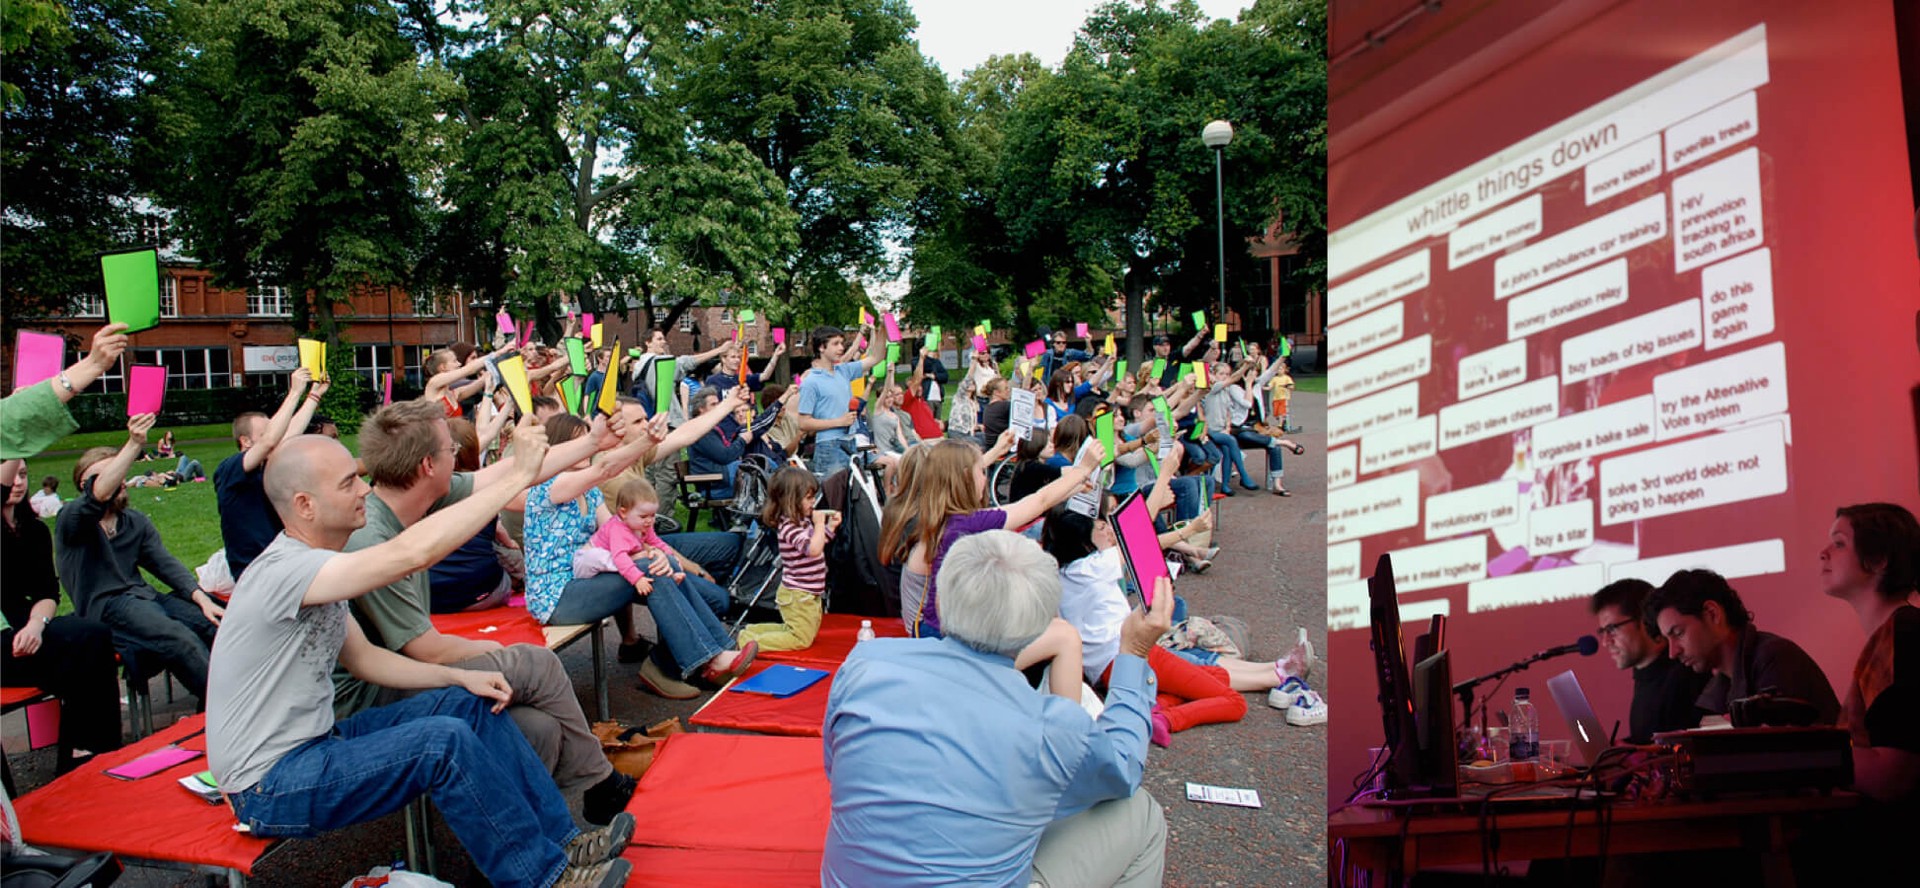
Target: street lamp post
point(1216, 136)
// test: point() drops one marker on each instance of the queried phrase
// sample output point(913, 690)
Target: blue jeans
point(723, 489)
point(1233, 460)
point(1188, 501)
point(832, 456)
point(1196, 656)
point(688, 615)
point(1250, 438)
point(592, 599)
point(188, 469)
point(482, 775)
point(716, 550)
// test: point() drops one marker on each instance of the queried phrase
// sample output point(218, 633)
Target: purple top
point(957, 527)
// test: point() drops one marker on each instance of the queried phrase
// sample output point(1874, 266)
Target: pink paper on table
point(1080, 330)
point(893, 327)
point(526, 332)
point(146, 389)
point(1035, 347)
point(43, 724)
point(779, 336)
point(979, 342)
point(505, 321)
point(36, 356)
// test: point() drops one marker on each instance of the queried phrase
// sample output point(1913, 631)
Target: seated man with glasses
point(1664, 689)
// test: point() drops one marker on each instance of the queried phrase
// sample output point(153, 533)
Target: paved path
point(1271, 571)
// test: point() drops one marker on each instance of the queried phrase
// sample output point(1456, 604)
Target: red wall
point(1838, 218)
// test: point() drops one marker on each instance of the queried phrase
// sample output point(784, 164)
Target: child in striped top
point(803, 532)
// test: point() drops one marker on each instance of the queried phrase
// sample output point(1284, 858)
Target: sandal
point(740, 663)
point(1296, 447)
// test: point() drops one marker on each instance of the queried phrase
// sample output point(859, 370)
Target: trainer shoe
point(605, 874)
point(1309, 709)
point(603, 844)
point(1162, 732)
point(1298, 663)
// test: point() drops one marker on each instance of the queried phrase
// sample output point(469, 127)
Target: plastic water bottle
point(866, 631)
point(1525, 728)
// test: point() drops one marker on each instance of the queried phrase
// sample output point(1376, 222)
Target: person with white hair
point(947, 767)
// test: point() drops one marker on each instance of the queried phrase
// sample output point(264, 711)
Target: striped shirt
point(803, 572)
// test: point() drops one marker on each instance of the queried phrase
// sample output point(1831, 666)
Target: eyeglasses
point(1608, 630)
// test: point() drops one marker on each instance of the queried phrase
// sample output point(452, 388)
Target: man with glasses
point(1059, 355)
point(1708, 629)
point(1664, 690)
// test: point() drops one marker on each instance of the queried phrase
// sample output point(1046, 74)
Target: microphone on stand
point(1586, 645)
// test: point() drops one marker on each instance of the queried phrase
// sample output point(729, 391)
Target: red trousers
point(1191, 694)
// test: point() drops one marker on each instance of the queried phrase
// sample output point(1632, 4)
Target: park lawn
point(187, 515)
point(83, 440)
point(1310, 384)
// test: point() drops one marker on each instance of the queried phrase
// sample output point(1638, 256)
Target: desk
point(1383, 841)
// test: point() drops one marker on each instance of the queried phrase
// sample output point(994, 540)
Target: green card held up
point(1159, 369)
point(132, 280)
point(663, 372)
point(1199, 322)
point(577, 356)
point(1103, 427)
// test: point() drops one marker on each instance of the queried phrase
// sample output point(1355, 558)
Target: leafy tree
point(852, 122)
point(1102, 160)
point(293, 132)
point(74, 99)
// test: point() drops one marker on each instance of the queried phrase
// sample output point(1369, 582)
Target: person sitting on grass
point(46, 501)
point(104, 545)
point(803, 532)
point(946, 766)
point(290, 769)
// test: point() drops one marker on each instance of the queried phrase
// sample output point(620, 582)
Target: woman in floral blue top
point(562, 515)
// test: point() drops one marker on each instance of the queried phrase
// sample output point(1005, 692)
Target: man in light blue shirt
point(947, 767)
point(826, 396)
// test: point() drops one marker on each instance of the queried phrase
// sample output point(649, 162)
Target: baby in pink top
point(626, 539)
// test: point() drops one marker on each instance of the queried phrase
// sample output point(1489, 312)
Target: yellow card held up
point(608, 401)
point(313, 356)
point(1109, 349)
point(595, 337)
point(513, 371)
point(1200, 377)
point(1219, 332)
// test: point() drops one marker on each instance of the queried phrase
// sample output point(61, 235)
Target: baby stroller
point(757, 573)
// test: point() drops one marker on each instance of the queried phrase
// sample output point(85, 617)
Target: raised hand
point(108, 343)
point(139, 426)
point(529, 449)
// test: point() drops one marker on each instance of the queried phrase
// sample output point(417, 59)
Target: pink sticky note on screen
point(1080, 330)
point(36, 356)
point(146, 389)
point(504, 321)
point(979, 343)
point(1035, 347)
point(1508, 562)
point(779, 336)
point(893, 327)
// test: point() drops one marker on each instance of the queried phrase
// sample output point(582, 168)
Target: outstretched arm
point(1030, 508)
point(353, 574)
point(281, 420)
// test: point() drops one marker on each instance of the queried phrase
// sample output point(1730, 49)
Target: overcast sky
point(960, 34)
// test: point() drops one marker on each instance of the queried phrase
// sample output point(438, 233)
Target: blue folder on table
point(780, 680)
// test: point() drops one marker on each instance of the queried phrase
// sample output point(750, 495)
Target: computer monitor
point(1436, 759)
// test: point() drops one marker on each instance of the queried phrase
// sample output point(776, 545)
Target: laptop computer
point(1589, 738)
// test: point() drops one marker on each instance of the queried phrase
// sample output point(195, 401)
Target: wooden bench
point(513, 625)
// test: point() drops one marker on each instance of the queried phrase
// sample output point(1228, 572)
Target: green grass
point(1310, 384)
point(77, 442)
point(188, 516)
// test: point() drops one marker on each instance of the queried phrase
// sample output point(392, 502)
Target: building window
point(153, 229)
point(726, 316)
point(271, 381)
point(686, 322)
point(169, 296)
point(371, 361)
point(268, 302)
point(191, 368)
point(114, 380)
point(753, 348)
point(90, 305)
point(659, 316)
